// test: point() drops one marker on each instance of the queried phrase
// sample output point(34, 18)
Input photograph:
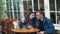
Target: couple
point(39, 21)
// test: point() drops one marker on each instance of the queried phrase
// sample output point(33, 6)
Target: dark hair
point(30, 20)
point(41, 11)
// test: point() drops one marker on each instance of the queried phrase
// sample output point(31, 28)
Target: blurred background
point(19, 8)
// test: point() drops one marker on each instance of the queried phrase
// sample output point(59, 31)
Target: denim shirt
point(48, 25)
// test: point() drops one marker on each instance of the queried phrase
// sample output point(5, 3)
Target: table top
point(25, 30)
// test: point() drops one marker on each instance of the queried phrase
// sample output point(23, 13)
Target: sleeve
point(50, 29)
point(26, 22)
point(35, 23)
point(20, 25)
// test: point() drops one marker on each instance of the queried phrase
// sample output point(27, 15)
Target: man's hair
point(41, 11)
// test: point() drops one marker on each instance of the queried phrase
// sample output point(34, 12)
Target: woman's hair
point(29, 20)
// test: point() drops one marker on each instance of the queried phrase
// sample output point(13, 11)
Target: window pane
point(14, 6)
point(10, 7)
point(18, 15)
point(58, 5)
point(11, 14)
point(58, 17)
point(15, 15)
point(35, 4)
point(18, 7)
point(7, 6)
point(16, 0)
point(30, 5)
point(53, 18)
point(27, 5)
point(42, 4)
point(52, 5)
point(7, 0)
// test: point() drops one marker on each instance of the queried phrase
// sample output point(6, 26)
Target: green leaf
point(7, 12)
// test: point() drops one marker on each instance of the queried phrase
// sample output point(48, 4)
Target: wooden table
point(31, 30)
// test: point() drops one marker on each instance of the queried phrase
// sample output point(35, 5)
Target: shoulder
point(34, 19)
point(47, 19)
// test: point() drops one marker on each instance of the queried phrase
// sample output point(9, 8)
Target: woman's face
point(32, 16)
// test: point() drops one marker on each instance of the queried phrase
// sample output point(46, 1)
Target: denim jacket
point(48, 25)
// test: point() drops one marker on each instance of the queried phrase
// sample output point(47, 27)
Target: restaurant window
point(27, 5)
point(55, 11)
point(58, 17)
point(52, 11)
point(35, 4)
point(52, 5)
point(58, 5)
point(58, 11)
point(38, 4)
point(53, 17)
point(16, 9)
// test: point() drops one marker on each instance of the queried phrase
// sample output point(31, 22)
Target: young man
point(43, 23)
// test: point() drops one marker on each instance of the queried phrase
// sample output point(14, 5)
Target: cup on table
point(29, 26)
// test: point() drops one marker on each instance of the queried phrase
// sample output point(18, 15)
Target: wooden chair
point(4, 28)
point(8, 25)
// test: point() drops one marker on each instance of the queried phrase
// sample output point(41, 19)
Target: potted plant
point(3, 11)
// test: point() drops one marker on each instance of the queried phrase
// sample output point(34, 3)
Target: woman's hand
point(23, 26)
point(23, 19)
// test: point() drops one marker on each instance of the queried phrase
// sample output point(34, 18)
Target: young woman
point(31, 20)
point(26, 22)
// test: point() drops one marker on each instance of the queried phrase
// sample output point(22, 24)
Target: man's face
point(38, 15)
